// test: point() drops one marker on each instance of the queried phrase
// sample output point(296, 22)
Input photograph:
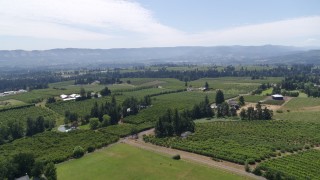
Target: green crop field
point(228, 85)
point(303, 165)
point(144, 92)
point(303, 116)
point(253, 98)
point(273, 102)
point(240, 141)
point(22, 114)
point(166, 83)
point(122, 161)
point(55, 146)
point(298, 103)
point(11, 103)
point(266, 92)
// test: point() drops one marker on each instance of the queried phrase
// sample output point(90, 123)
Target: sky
point(48, 24)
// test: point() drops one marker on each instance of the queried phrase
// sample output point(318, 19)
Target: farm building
point(69, 97)
point(63, 96)
point(233, 103)
point(277, 97)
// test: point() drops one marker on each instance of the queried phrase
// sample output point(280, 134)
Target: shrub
point(78, 152)
point(176, 157)
point(251, 161)
point(279, 111)
point(91, 149)
point(246, 167)
point(94, 123)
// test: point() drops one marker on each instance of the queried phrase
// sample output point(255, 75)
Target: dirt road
point(187, 156)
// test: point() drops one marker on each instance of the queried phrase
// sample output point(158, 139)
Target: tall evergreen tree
point(176, 122)
point(241, 101)
point(30, 127)
point(219, 97)
point(206, 85)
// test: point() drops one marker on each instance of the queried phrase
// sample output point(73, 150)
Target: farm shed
point(277, 97)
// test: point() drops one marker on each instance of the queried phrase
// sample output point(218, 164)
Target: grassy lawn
point(298, 103)
point(232, 85)
point(302, 95)
point(267, 91)
point(122, 161)
point(304, 116)
point(11, 103)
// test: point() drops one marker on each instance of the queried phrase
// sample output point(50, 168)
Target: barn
point(277, 97)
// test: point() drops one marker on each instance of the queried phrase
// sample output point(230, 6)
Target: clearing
point(122, 161)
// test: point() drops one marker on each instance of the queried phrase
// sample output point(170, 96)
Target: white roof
point(63, 96)
point(68, 99)
point(277, 95)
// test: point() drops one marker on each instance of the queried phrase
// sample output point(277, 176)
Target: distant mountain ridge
point(216, 54)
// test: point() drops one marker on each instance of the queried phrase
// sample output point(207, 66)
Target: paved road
point(187, 156)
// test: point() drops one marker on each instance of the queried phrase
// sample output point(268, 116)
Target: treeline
point(29, 80)
point(36, 80)
point(214, 72)
point(257, 113)
point(16, 129)
point(308, 83)
point(173, 123)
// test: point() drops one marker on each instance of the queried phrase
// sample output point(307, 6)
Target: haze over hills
point(218, 55)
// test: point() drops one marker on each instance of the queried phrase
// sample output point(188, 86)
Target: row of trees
point(257, 113)
point(16, 129)
point(38, 125)
point(25, 163)
point(173, 123)
point(109, 113)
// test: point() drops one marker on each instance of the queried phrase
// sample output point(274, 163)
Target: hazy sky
point(46, 24)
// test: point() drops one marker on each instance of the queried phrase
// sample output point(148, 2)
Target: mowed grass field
point(306, 103)
point(122, 161)
point(300, 109)
point(11, 103)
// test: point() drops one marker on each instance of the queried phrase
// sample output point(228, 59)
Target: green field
point(55, 146)
point(303, 165)
point(253, 98)
point(303, 116)
point(273, 102)
point(22, 114)
point(240, 141)
point(228, 85)
point(298, 103)
point(267, 92)
point(11, 103)
point(126, 162)
point(166, 83)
